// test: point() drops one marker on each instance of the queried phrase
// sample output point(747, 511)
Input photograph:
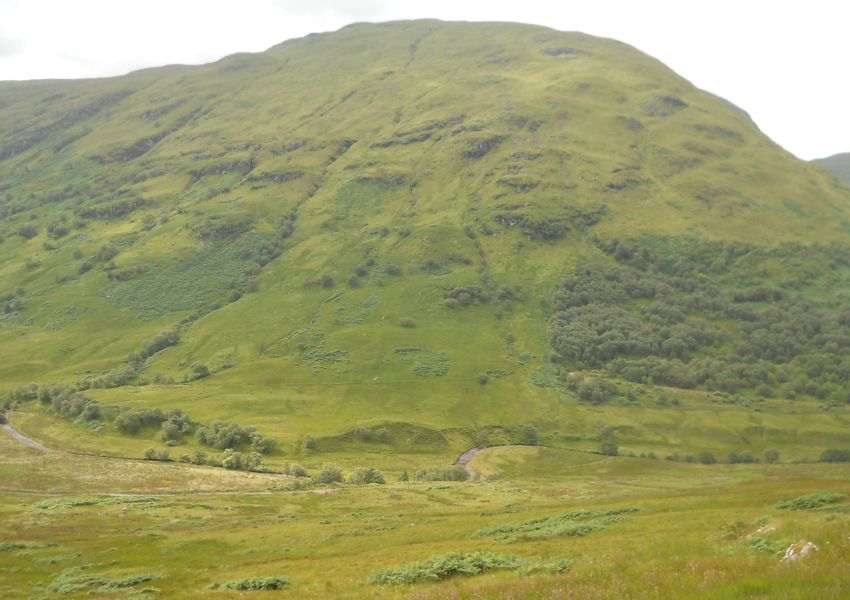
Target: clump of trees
point(131, 421)
point(654, 315)
point(224, 434)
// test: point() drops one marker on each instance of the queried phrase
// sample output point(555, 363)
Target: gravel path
point(24, 439)
point(463, 460)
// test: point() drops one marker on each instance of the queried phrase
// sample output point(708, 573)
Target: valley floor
point(73, 525)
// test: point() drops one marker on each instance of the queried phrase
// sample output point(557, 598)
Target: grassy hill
point(837, 164)
point(395, 241)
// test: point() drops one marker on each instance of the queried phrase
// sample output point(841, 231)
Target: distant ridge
point(837, 164)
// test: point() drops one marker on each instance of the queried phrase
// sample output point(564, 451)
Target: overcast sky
point(785, 62)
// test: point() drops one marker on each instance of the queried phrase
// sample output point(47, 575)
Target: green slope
point(367, 227)
point(837, 164)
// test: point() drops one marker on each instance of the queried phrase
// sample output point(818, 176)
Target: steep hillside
point(417, 236)
point(837, 164)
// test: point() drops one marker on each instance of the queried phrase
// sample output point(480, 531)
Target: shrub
point(297, 470)
point(835, 455)
point(811, 501)
point(223, 434)
point(596, 391)
point(262, 444)
point(529, 435)
point(27, 231)
point(150, 454)
point(362, 433)
point(199, 371)
point(706, 458)
point(230, 459)
point(771, 456)
point(407, 322)
point(257, 583)
point(131, 421)
point(453, 473)
point(744, 457)
point(609, 448)
point(364, 475)
point(329, 473)
point(107, 253)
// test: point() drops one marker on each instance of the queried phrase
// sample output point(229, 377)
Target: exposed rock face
point(800, 550)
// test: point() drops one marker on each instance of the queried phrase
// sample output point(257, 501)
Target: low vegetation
point(254, 583)
point(811, 501)
point(572, 524)
point(445, 566)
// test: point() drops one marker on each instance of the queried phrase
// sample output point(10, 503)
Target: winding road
point(24, 439)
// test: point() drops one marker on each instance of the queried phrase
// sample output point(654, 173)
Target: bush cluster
point(453, 473)
point(655, 315)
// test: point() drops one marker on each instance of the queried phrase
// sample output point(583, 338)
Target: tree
point(150, 454)
point(609, 447)
point(771, 456)
point(404, 477)
point(529, 434)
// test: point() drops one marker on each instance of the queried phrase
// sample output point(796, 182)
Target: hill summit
point(428, 231)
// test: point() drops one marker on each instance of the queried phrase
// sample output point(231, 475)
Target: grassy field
point(73, 525)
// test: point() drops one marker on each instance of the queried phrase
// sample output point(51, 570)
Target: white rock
point(799, 550)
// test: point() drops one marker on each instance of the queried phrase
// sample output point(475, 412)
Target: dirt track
point(24, 439)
